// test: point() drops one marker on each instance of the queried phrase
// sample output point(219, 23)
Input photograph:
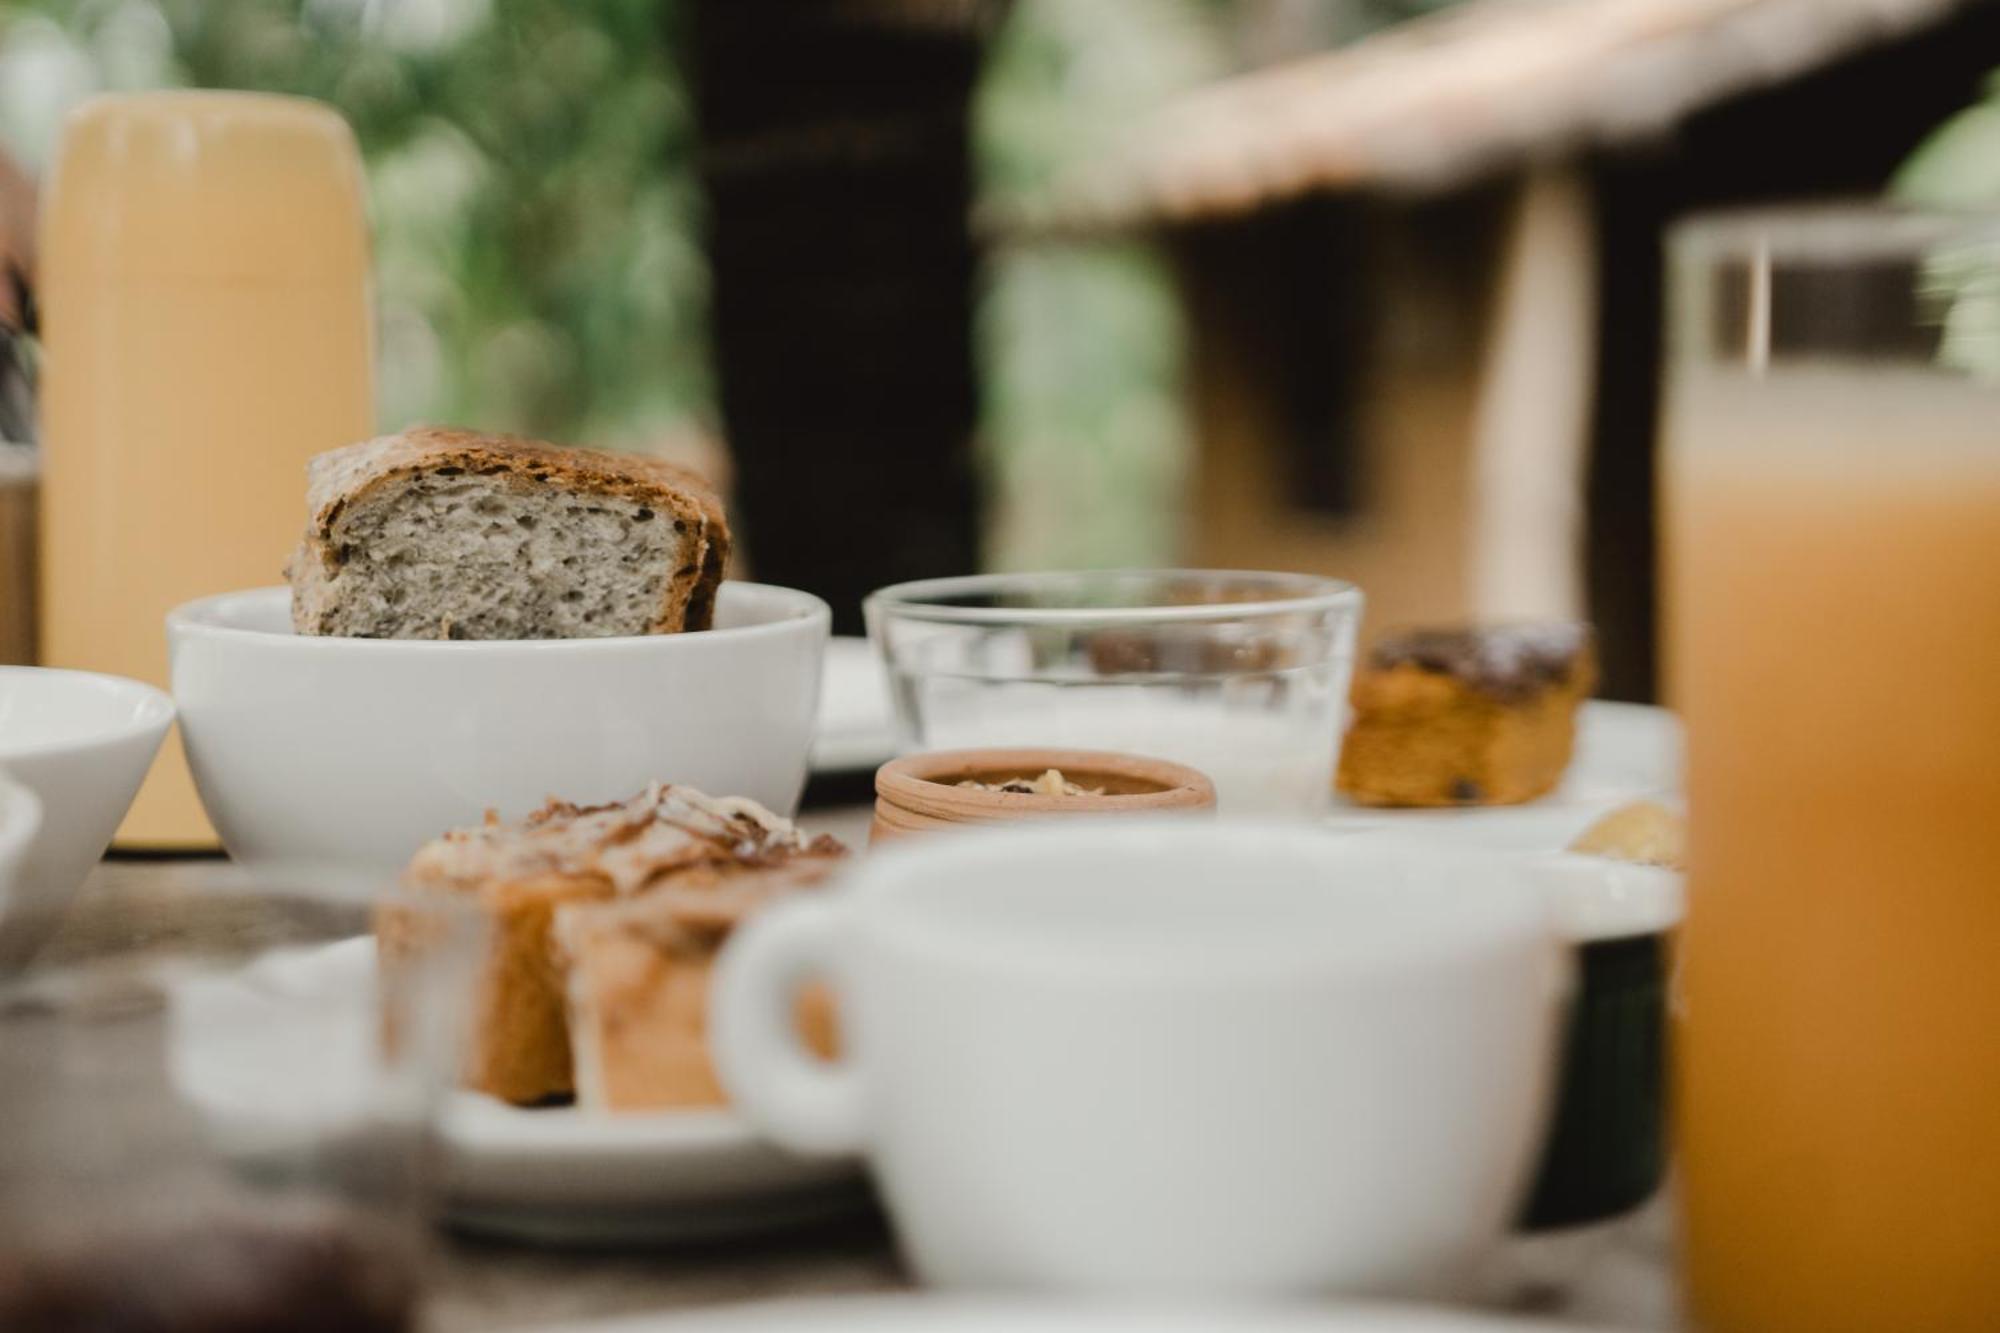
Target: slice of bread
point(447, 534)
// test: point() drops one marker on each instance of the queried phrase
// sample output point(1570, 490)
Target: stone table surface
point(1613, 1276)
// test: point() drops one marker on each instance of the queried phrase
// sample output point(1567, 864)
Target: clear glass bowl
point(1241, 675)
point(217, 1114)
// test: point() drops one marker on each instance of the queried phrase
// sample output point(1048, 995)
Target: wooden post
point(1532, 432)
point(835, 152)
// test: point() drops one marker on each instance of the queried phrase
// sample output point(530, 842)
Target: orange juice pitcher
point(207, 328)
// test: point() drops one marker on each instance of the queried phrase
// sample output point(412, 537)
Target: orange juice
point(1834, 617)
point(204, 284)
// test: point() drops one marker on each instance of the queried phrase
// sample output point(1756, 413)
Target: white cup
point(1183, 1059)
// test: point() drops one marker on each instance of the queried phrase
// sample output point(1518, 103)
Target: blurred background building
point(1368, 287)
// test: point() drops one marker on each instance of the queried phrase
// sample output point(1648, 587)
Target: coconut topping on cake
point(664, 830)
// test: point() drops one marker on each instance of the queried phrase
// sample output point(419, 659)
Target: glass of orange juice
point(1832, 484)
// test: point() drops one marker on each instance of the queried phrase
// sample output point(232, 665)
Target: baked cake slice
point(448, 534)
point(638, 974)
point(1471, 715)
point(706, 860)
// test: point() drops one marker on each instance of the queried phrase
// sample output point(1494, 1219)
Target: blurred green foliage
point(1957, 169)
point(1084, 434)
point(530, 165)
point(1958, 165)
point(536, 216)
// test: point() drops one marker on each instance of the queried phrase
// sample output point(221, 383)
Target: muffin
point(1468, 715)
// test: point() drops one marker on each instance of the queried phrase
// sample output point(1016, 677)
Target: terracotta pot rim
point(920, 777)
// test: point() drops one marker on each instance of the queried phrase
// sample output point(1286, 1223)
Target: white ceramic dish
point(1615, 914)
point(1215, 1059)
point(350, 753)
point(81, 742)
point(947, 1314)
point(1599, 899)
point(857, 727)
point(562, 1176)
point(1624, 752)
point(20, 819)
point(550, 1174)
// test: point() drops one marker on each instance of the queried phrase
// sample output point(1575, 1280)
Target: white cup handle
point(793, 1096)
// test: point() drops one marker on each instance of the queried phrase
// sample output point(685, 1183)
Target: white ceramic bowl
point(20, 819)
point(350, 753)
point(82, 743)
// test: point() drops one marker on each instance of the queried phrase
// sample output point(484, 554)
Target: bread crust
point(340, 479)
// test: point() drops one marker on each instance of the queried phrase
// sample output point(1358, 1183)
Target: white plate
point(945, 1314)
point(857, 727)
point(553, 1174)
point(569, 1176)
point(1624, 752)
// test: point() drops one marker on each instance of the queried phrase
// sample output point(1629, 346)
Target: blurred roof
point(1437, 101)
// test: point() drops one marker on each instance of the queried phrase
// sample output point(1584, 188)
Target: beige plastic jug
point(206, 327)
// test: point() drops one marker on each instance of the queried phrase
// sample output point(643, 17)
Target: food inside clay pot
point(1050, 783)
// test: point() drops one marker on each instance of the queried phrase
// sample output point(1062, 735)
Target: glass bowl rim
point(907, 600)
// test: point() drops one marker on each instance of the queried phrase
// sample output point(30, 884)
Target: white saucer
point(565, 1175)
point(1624, 752)
point(946, 1314)
point(857, 727)
point(549, 1174)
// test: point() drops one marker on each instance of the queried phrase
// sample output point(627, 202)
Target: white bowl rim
point(910, 601)
point(195, 620)
point(1602, 898)
point(155, 712)
point(20, 817)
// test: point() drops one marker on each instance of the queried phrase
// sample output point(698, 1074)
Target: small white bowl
point(20, 819)
point(81, 742)
point(350, 753)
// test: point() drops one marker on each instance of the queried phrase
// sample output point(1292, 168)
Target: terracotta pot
point(919, 793)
